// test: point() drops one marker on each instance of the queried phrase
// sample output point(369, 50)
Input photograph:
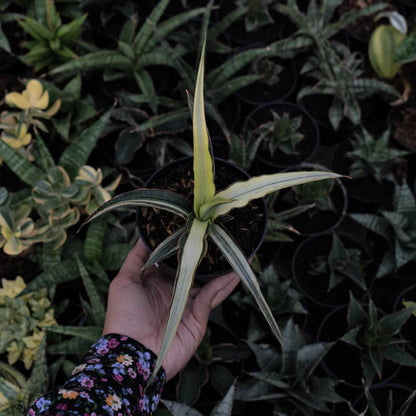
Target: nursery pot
point(366, 190)
point(247, 225)
point(314, 221)
point(315, 287)
point(260, 93)
point(343, 361)
point(305, 149)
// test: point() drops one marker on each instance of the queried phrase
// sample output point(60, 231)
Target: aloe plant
point(202, 219)
point(376, 338)
point(257, 13)
point(317, 24)
point(136, 50)
point(287, 377)
point(341, 263)
point(397, 227)
point(53, 41)
point(338, 72)
point(374, 157)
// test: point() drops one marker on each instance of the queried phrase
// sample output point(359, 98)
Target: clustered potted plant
point(94, 103)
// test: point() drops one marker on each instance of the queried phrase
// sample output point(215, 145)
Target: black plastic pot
point(343, 361)
point(315, 222)
point(261, 93)
point(380, 394)
point(366, 190)
point(249, 240)
point(306, 148)
point(315, 287)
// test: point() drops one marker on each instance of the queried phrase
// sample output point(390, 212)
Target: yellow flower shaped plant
point(22, 321)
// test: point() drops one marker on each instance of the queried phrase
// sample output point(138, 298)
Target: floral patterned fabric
point(111, 380)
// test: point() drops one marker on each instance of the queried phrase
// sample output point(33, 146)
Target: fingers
point(212, 294)
point(132, 266)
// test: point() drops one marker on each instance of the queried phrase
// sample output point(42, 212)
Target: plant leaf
point(77, 153)
point(244, 191)
point(90, 333)
point(154, 198)
point(238, 262)
point(192, 249)
point(204, 187)
point(165, 249)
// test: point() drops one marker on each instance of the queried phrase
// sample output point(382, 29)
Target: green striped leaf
point(25, 170)
point(204, 187)
point(45, 159)
point(96, 303)
point(77, 153)
point(243, 192)
point(147, 30)
point(192, 248)
point(63, 272)
point(70, 346)
point(93, 245)
point(90, 333)
point(239, 263)
point(165, 249)
point(154, 198)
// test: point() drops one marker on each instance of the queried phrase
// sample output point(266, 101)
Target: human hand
point(138, 306)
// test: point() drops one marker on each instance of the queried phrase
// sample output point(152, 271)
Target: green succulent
point(267, 70)
point(338, 73)
point(282, 132)
point(284, 301)
point(257, 13)
point(373, 157)
point(287, 377)
point(376, 338)
point(53, 41)
point(397, 227)
point(314, 193)
point(22, 320)
point(341, 263)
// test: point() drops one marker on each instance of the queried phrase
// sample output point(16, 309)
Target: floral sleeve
point(110, 381)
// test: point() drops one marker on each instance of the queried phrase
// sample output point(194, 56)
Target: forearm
point(111, 380)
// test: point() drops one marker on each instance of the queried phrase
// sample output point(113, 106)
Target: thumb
point(212, 294)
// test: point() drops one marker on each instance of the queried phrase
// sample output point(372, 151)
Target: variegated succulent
point(209, 205)
point(22, 320)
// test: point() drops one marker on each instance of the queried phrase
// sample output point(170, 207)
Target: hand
point(138, 306)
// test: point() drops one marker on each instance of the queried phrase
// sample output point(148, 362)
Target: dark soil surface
point(246, 224)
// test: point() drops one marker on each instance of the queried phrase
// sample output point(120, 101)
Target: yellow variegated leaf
point(206, 210)
point(54, 108)
point(243, 192)
point(192, 250)
point(204, 187)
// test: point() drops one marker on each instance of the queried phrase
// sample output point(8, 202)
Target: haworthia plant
point(202, 219)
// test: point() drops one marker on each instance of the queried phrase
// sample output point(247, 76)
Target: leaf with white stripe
point(193, 246)
point(204, 187)
point(165, 249)
point(239, 263)
point(245, 191)
point(154, 198)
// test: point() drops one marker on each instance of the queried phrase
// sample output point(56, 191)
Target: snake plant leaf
point(96, 302)
point(90, 333)
point(193, 246)
point(77, 153)
point(25, 170)
point(154, 198)
point(244, 191)
point(93, 245)
point(165, 249)
point(406, 51)
point(180, 409)
point(204, 187)
point(239, 263)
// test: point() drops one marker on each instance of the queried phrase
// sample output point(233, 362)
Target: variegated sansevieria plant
point(190, 242)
